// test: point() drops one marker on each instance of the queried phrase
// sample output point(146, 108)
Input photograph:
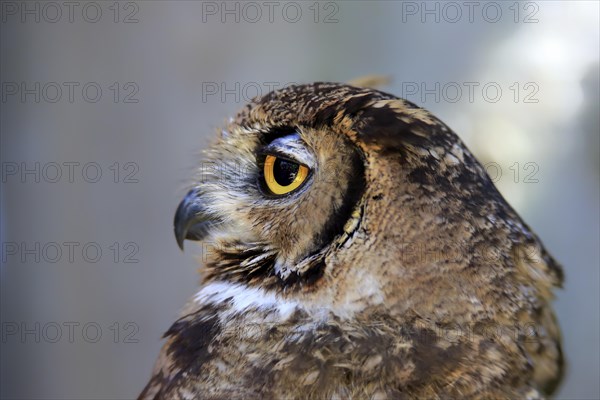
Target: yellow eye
point(283, 176)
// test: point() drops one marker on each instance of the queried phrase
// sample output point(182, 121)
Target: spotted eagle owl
point(353, 249)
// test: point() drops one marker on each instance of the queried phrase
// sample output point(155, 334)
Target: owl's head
point(330, 187)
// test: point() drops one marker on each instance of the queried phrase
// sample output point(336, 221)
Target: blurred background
point(106, 105)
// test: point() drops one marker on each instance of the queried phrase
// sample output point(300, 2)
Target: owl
point(354, 248)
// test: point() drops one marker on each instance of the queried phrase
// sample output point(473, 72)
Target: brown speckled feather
point(396, 271)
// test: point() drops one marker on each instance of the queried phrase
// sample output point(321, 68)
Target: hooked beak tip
point(188, 214)
point(179, 237)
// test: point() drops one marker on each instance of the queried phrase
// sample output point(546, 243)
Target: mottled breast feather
point(412, 277)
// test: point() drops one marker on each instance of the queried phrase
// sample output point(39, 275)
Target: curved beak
point(192, 221)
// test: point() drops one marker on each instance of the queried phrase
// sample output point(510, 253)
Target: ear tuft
point(371, 81)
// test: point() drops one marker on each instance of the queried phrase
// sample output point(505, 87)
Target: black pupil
point(285, 171)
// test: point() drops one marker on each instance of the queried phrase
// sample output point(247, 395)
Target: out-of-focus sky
point(105, 107)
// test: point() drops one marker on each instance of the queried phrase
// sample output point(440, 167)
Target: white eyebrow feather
point(293, 147)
